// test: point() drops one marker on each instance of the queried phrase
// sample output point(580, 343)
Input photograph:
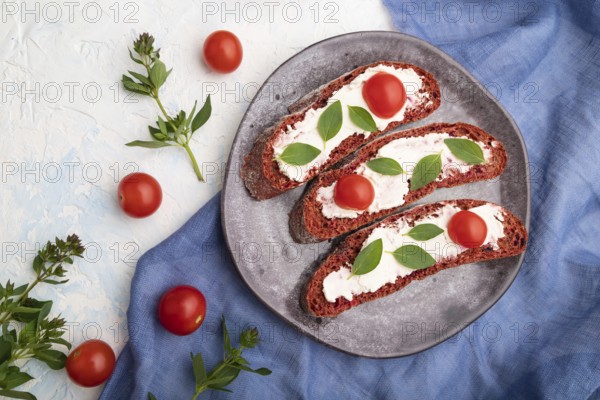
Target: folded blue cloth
point(541, 340)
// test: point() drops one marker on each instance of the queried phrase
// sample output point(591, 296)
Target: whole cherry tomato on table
point(91, 363)
point(182, 310)
point(140, 195)
point(467, 229)
point(384, 94)
point(223, 51)
point(353, 192)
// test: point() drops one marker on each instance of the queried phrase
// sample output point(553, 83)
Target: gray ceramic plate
point(276, 269)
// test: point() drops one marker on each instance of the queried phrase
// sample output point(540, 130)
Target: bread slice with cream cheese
point(266, 175)
point(332, 289)
point(316, 216)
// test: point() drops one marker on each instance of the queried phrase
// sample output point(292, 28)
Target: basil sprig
point(466, 150)
point(330, 121)
point(426, 171)
point(28, 329)
point(227, 370)
point(413, 257)
point(362, 118)
point(299, 154)
point(424, 232)
point(385, 166)
point(368, 258)
point(172, 130)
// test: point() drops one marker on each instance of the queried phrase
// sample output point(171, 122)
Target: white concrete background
point(65, 118)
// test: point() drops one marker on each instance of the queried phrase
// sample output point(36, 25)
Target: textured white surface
point(65, 119)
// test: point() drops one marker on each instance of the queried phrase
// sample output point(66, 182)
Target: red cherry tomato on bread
point(353, 192)
point(385, 94)
point(223, 51)
point(91, 363)
point(467, 229)
point(140, 195)
point(182, 310)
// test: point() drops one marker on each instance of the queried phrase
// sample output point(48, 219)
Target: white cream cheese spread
point(305, 131)
point(338, 284)
point(391, 189)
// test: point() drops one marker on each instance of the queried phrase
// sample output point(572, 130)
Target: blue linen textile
point(541, 340)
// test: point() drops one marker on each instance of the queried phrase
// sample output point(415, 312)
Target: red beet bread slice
point(261, 173)
point(309, 224)
point(512, 243)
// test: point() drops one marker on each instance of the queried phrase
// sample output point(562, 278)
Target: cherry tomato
point(223, 51)
point(353, 192)
point(91, 363)
point(140, 195)
point(384, 94)
point(467, 229)
point(182, 310)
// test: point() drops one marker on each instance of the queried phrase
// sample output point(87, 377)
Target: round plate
point(424, 313)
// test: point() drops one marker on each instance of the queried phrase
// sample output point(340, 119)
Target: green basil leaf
point(226, 339)
point(44, 311)
point(151, 396)
point(61, 341)
point(162, 125)
point(426, 171)
point(224, 377)
point(53, 358)
point(5, 350)
point(424, 232)
point(28, 333)
point(140, 77)
point(466, 150)
point(147, 144)
point(19, 290)
point(134, 87)
point(181, 117)
point(199, 369)
point(385, 166)
point(135, 60)
point(158, 135)
point(8, 335)
point(259, 371)
point(191, 117)
point(219, 389)
point(299, 154)
point(38, 263)
point(26, 310)
point(362, 118)
point(368, 258)
point(330, 121)
point(413, 257)
point(15, 378)
point(203, 115)
point(158, 74)
point(17, 395)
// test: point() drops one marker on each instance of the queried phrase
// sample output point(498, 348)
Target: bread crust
point(260, 172)
point(309, 225)
point(313, 300)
